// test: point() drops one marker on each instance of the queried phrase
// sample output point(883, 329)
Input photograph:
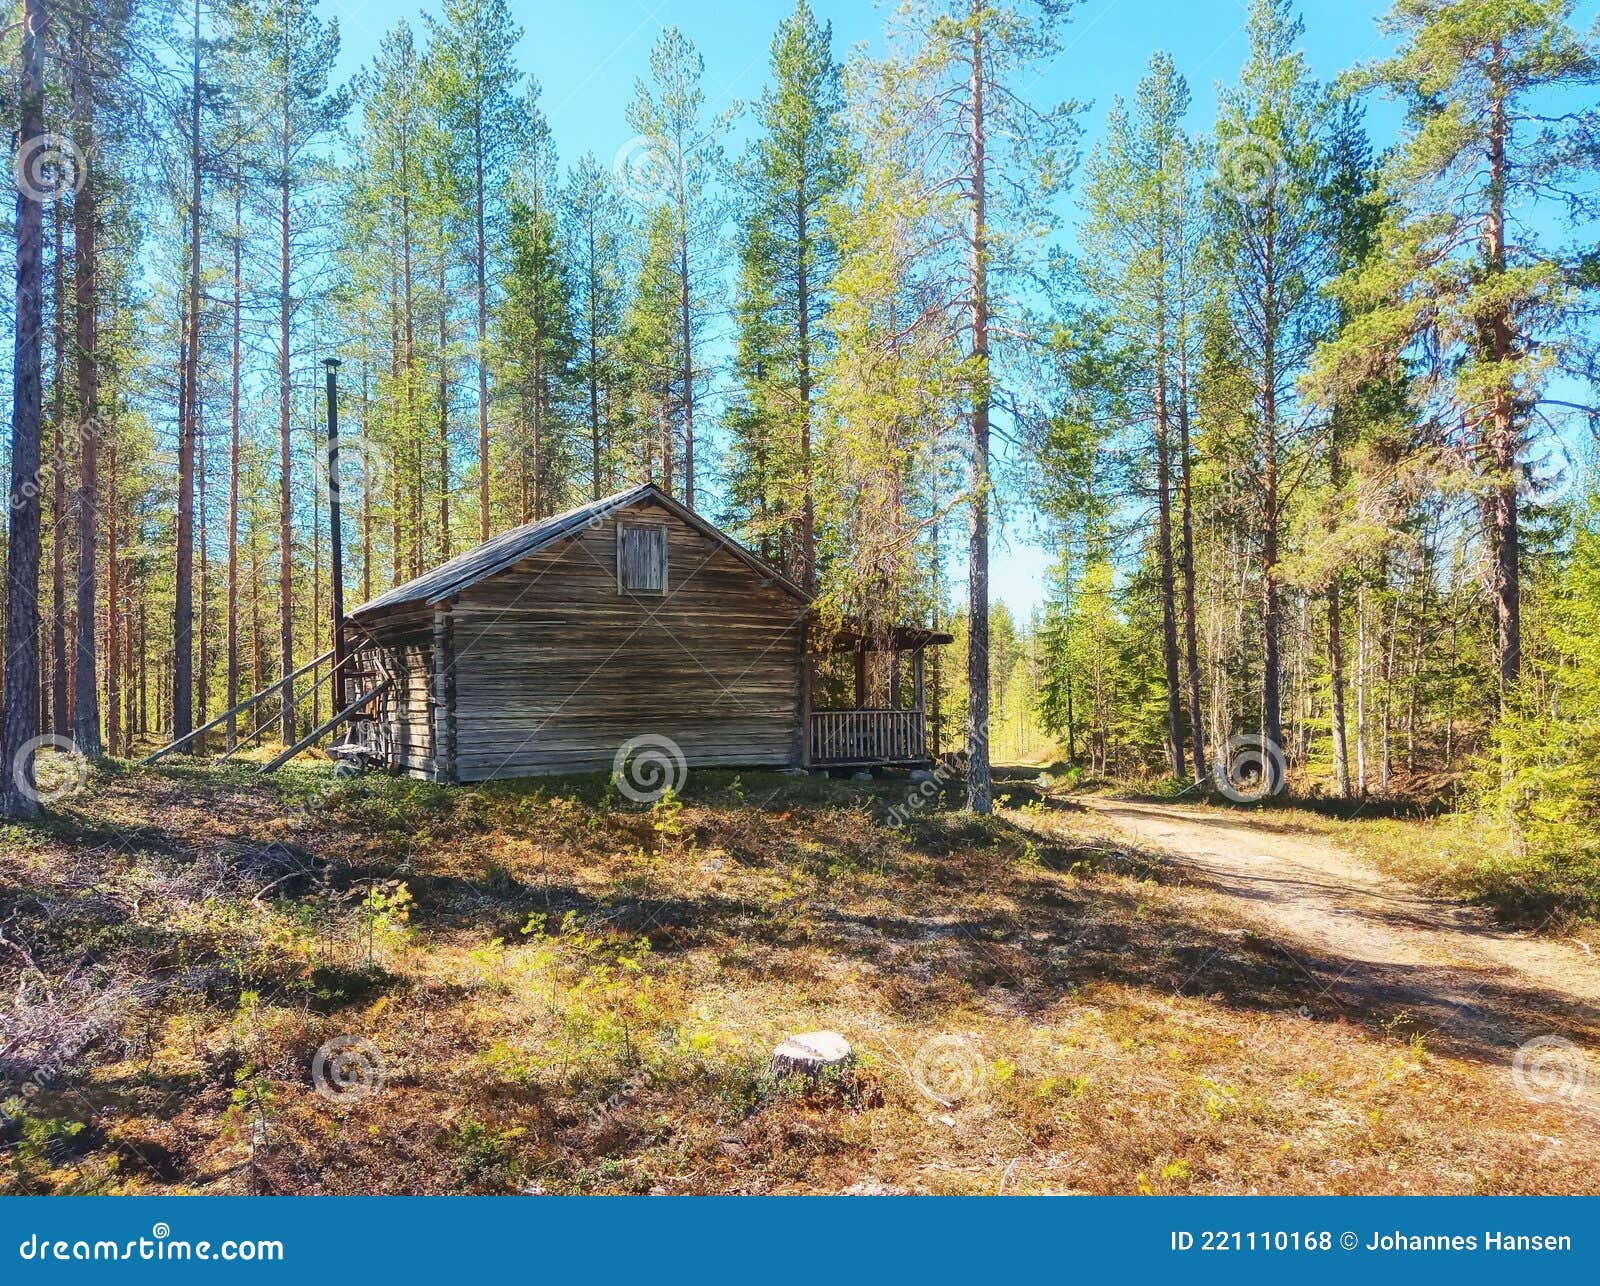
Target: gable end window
point(641, 559)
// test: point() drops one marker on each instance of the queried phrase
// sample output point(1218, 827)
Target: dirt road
point(1382, 950)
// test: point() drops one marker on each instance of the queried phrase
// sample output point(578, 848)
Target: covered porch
point(866, 699)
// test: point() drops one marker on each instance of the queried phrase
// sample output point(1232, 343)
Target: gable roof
point(501, 552)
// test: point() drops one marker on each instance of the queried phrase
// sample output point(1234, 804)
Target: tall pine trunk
point(19, 724)
point(979, 791)
point(113, 596)
point(1271, 596)
point(286, 703)
point(60, 668)
point(1169, 614)
point(1341, 749)
point(808, 512)
point(483, 320)
point(234, 363)
point(397, 435)
point(86, 692)
point(444, 408)
point(592, 268)
point(366, 496)
point(1191, 629)
point(688, 346)
point(1362, 668)
point(1502, 429)
point(202, 676)
point(188, 398)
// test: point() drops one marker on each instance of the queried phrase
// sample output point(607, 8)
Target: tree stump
point(811, 1054)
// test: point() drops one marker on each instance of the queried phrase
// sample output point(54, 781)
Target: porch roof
point(902, 638)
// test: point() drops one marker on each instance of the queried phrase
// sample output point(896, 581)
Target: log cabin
point(550, 648)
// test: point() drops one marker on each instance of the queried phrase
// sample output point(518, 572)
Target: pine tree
point(1487, 312)
point(19, 721)
point(685, 155)
point(293, 55)
point(538, 344)
point(596, 233)
point(473, 47)
point(383, 206)
point(795, 169)
point(191, 342)
point(1140, 204)
point(651, 345)
point(1272, 162)
point(999, 157)
point(891, 381)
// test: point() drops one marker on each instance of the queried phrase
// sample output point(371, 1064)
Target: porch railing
point(868, 736)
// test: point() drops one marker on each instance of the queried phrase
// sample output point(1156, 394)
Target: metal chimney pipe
point(336, 544)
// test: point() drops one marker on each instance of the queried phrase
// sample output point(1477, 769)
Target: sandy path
point(1378, 947)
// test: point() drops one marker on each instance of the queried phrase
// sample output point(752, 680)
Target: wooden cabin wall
point(406, 711)
point(555, 669)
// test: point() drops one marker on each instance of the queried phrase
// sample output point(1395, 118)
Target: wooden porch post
point(861, 676)
point(919, 692)
point(808, 683)
point(894, 678)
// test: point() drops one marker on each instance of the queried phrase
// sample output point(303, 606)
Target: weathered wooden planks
point(555, 668)
point(546, 665)
point(641, 556)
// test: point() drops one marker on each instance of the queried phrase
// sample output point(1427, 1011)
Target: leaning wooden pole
point(235, 710)
point(272, 765)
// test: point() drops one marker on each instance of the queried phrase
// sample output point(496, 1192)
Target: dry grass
point(1464, 855)
point(570, 994)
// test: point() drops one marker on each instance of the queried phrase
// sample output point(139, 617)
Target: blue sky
point(587, 56)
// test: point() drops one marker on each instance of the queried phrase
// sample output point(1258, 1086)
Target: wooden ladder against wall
point(362, 669)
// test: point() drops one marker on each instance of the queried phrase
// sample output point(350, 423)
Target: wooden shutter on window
point(642, 559)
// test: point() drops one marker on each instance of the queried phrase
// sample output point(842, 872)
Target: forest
point(1306, 432)
point(1257, 854)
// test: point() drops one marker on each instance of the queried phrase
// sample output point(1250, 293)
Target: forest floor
point(1375, 942)
point(538, 987)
